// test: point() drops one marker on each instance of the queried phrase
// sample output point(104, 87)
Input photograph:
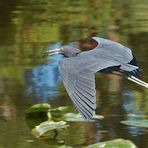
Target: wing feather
point(78, 75)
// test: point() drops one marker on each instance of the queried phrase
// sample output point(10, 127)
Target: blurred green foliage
point(28, 27)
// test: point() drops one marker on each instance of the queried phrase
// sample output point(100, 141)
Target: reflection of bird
point(79, 68)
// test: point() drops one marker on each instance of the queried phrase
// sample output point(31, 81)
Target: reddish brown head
point(87, 44)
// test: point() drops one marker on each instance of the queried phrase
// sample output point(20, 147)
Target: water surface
point(27, 28)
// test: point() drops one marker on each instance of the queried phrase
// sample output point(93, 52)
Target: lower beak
point(54, 51)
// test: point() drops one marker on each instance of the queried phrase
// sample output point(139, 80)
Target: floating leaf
point(57, 113)
point(118, 143)
point(137, 115)
point(73, 117)
point(97, 117)
point(78, 117)
point(46, 129)
point(64, 146)
point(139, 123)
point(43, 107)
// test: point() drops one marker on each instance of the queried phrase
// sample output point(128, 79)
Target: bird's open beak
point(54, 51)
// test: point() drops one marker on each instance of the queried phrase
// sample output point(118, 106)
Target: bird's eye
point(61, 49)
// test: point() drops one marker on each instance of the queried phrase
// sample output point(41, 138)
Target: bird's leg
point(138, 81)
point(131, 78)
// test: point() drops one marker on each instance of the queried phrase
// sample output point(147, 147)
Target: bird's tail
point(137, 81)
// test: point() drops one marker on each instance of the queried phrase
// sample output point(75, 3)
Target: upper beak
point(54, 51)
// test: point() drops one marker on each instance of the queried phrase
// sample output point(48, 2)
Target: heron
point(78, 69)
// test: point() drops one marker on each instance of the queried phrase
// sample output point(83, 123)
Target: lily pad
point(98, 117)
point(118, 143)
point(139, 123)
point(47, 129)
point(78, 117)
point(137, 115)
point(57, 113)
point(64, 146)
point(43, 107)
point(73, 117)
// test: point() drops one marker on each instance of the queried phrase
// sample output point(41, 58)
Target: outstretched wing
point(78, 75)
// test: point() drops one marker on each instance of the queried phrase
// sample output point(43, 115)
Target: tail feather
point(135, 73)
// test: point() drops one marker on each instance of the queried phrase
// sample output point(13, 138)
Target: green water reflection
point(28, 27)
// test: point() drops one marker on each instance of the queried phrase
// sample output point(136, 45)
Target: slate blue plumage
point(78, 70)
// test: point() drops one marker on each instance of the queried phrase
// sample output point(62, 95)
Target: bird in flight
point(78, 69)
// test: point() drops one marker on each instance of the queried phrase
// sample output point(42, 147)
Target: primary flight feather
point(78, 70)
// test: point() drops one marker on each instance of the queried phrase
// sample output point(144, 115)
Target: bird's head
point(88, 44)
point(71, 51)
point(67, 51)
